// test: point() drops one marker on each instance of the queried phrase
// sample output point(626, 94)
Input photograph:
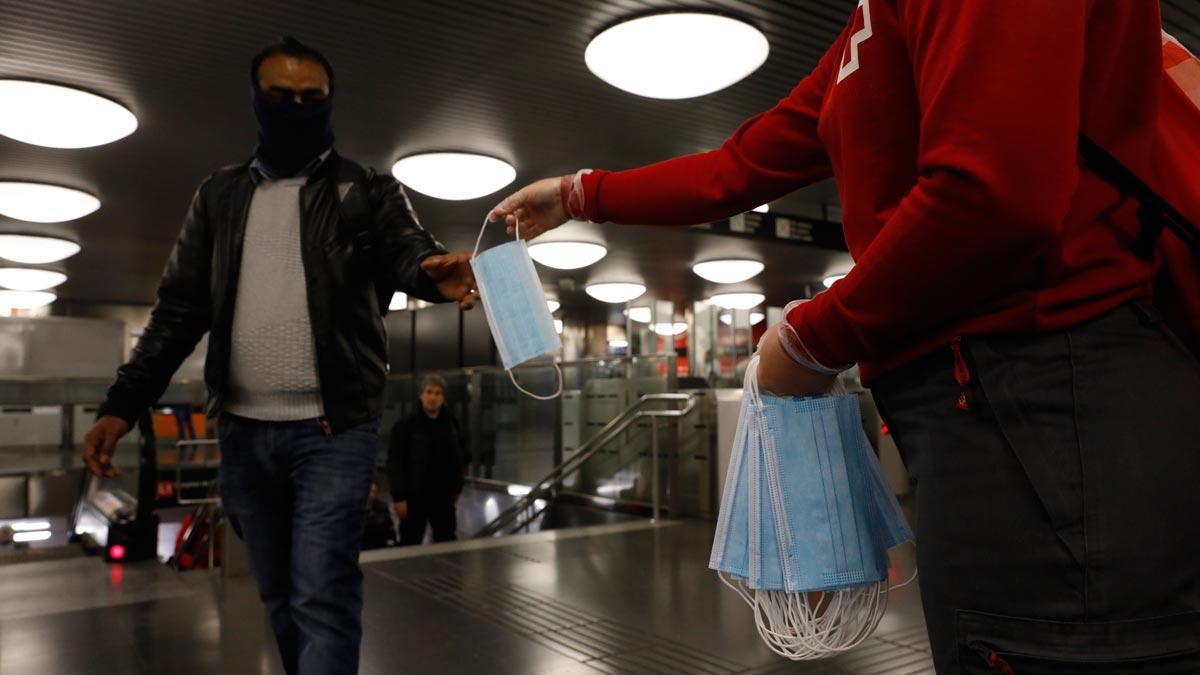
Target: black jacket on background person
point(426, 458)
point(348, 268)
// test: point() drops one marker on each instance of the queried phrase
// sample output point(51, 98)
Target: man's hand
point(453, 276)
point(780, 375)
point(538, 206)
point(99, 443)
point(401, 509)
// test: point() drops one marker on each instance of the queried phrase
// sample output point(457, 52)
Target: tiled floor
point(619, 598)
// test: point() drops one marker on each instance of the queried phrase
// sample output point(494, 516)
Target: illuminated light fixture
point(116, 552)
point(454, 176)
point(762, 209)
point(34, 250)
point(669, 329)
point(25, 279)
point(639, 314)
point(755, 318)
point(618, 344)
point(558, 326)
point(25, 537)
point(677, 54)
point(553, 305)
point(55, 116)
point(30, 525)
point(399, 301)
point(737, 300)
point(833, 279)
point(42, 203)
point(25, 299)
point(516, 490)
point(617, 292)
point(728, 271)
point(567, 255)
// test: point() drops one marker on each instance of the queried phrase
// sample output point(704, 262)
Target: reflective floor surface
point(619, 598)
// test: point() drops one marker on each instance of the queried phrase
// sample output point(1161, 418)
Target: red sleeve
point(770, 155)
point(998, 84)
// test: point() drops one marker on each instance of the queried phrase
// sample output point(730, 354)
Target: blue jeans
point(299, 501)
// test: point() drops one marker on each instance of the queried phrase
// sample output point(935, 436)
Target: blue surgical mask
point(515, 306)
point(805, 510)
point(806, 507)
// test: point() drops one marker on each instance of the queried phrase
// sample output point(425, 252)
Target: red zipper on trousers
point(961, 373)
point(997, 662)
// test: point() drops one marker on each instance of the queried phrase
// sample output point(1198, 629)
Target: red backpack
point(1172, 201)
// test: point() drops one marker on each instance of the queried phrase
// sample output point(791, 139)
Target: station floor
point(628, 597)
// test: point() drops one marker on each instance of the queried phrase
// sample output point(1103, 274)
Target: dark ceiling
point(501, 78)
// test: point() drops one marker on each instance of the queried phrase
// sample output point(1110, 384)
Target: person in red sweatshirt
point(995, 308)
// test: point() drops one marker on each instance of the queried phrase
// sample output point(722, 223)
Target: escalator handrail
point(586, 451)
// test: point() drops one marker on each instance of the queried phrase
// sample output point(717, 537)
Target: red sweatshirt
point(951, 128)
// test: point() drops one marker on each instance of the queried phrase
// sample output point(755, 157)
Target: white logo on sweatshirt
point(850, 65)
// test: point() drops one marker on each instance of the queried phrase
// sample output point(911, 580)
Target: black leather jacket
point(348, 268)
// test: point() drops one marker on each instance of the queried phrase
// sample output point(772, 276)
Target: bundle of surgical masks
point(515, 305)
point(806, 521)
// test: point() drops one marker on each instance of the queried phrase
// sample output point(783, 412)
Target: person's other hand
point(99, 443)
point(538, 206)
point(453, 276)
point(401, 509)
point(780, 375)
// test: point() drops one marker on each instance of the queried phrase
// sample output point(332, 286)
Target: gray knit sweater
point(273, 363)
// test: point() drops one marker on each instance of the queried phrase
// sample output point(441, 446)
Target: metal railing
point(546, 486)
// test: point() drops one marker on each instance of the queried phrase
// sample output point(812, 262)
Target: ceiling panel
point(507, 79)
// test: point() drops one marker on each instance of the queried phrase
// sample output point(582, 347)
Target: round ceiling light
point(25, 299)
point(737, 300)
point(34, 250)
point(553, 305)
point(567, 255)
point(55, 116)
point(639, 314)
point(25, 279)
point(755, 318)
point(42, 203)
point(454, 175)
point(615, 292)
point(832, 279)
point(728, 271)
point(676, 55)
point(669, 329)
point(762, 209)
point(399, 301)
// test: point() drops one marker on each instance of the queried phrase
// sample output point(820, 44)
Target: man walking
point(425, 467)
point(286, 260)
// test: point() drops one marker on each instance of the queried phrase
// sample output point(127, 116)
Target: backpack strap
point(1155, 213)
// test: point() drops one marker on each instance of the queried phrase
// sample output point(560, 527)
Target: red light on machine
point(116, 552)
point(883, 429)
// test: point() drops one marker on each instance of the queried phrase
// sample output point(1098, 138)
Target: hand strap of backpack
point(1155, 213)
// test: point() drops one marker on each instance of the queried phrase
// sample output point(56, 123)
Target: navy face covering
point(290, 134)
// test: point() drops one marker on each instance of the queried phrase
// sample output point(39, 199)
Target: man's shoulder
point(226, 176)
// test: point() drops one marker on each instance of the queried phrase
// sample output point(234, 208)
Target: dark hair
point(434, 381)
point(290, 46)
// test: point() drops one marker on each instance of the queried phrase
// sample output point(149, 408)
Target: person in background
point(284, 260)
point(425, 467)
point(997, 308)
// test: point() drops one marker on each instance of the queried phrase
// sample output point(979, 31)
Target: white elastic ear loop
point(532, 395)
point(557, 368)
